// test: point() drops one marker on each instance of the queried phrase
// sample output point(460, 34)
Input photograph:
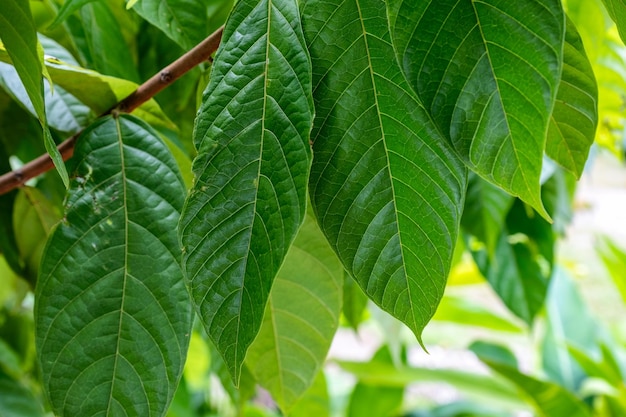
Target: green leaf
point(315, 402)
point(373, 400)
point(301, 318)
point(462, 311)
point(19, 36)
point(108, 50)
point(184, 21)
point(548, 399)
point(386, 188)
point(249, 198)
point(494, 352)
point(16, 400)
point(113, 338)
point(617, 11)
point(69, 7)
point(614, 259)
point(486, 207)
point(575, 116)
point(488, 74)
point(354, 302)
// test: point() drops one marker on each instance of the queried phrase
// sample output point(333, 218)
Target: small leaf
point(488, 75)
point(113, 338)
point(300, 320)
point(385, 186)
point(575, 116)
point(249, 199)
point(18, 33)
point(184, 21)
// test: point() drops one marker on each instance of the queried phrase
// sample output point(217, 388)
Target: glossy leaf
point(385, 187)
point(19, 37)
point(249, 198)
point(488, 75)
point(547, 398)
point(575, 116)
point(486, 207)
point(184, 21)
point(112, 339)
point(300, 319)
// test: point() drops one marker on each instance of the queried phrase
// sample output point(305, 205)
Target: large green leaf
point(184, 21)
point(315, 402)
point(488, 74)
point(386, 188)
point(575, 116)
point(300, 320)
point(249, 198)
point(112, 339)
point(18, 33)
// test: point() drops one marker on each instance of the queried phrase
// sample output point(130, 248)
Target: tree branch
point(143, 93)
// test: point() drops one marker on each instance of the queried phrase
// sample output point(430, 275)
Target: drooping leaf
point(486, 207)
point(184, 21)
point(575, 116)
point(107, 48)
point(354, 302)
point(386, 188)
point(547, 398)
point(64, 112)
point(112, 339)
point(300, 320)
point(315, 402)
point(19, 37)
point(249, 198)
point(488, 75)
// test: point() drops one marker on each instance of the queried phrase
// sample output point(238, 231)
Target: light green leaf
point(575, 116)
point(486, 207)
point(300, 320)
point(184, 21)
point(112, 339)
point(315, 402)
point(462, 311)
point(488, 75)
point(386, 188)
point(614, 259)
point(617, 11)
point(69, 7)
point(547, 398)
point(354, 302)
point(249, 199)
point(19, 36)
point(16, 400)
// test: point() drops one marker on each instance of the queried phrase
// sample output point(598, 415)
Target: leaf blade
point(249, 198)
point(114, 337)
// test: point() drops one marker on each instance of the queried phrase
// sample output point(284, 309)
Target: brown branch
point(143, 93)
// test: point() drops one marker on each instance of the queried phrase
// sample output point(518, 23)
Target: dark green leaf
point(575, 116)
point(112, 339)
point(19, 36)
point(16, 400)
point(488, 74)
point(300, 320)
point(386, 189)
point(486, 207)
point(354, 302)
point(548, 399)
point(249, 199)
point(184, 21)
point(107, 48)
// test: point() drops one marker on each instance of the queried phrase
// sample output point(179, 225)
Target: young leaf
point(184, 21)
point(575, 116)
point(249, 199)
point(300, 319)
point(386, 188)
point(488, 74)
point(112, 339)
point(19, 36)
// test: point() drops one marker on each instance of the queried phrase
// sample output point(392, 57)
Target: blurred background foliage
point(532, 321)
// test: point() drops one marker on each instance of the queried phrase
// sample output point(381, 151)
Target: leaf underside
point(392, 221)
point(249, 198)
point(112, 336)
point(488, 75)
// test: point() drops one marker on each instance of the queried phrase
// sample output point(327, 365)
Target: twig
point(143, 93)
